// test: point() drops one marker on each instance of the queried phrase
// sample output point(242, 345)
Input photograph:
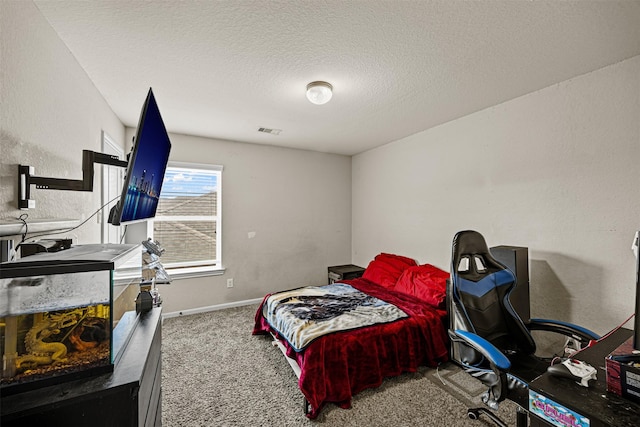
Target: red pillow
point(385, 269)
point(425, 282)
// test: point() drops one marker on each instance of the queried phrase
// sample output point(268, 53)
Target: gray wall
point(298, 203)
point(555, 170)
point(49, 112)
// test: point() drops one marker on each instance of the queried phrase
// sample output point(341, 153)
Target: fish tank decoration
point(56, 316)
point(50, 344)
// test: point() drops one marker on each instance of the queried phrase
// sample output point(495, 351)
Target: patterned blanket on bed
point(302, 315)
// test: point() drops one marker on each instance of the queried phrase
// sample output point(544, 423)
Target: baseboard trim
point(216, 307)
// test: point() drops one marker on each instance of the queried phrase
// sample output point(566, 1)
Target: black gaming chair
point(488, 338)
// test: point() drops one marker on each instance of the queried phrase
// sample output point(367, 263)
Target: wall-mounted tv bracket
point(26, 178)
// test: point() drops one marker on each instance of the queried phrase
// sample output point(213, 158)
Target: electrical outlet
point(229, 283)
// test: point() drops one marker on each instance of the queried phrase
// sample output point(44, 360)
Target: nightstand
point(344, 272)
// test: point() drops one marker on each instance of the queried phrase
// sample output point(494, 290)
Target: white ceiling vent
point(271, 131)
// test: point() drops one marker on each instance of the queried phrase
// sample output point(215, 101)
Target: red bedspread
point(339, 365)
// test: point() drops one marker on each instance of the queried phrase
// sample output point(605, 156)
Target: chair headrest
point(469, 242)
point(472, 245)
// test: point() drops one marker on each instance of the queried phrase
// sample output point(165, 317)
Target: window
point(188, 219)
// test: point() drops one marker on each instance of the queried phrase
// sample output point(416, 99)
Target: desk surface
point(601, 407)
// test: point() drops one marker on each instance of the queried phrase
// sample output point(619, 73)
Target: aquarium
point(57, 315)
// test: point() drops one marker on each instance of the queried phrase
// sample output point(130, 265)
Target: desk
point(595, 403)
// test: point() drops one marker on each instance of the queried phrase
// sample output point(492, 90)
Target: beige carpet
point(215, 373)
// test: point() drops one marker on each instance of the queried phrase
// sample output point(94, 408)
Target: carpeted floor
point(215, 373)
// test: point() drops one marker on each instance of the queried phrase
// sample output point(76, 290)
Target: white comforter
point(304, 314)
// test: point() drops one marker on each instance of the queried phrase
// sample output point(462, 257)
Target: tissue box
point(623, 378)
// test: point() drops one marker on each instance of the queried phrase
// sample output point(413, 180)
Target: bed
point(406, 303)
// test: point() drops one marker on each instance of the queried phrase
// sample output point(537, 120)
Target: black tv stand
point(89, 158)
point(129, 396)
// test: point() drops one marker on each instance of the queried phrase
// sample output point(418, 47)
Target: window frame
point(112, 181)
point(188, 269)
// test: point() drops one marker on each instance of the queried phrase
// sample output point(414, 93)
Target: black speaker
point(516, 258)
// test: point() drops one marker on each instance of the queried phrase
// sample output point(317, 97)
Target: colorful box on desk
point(623, 378)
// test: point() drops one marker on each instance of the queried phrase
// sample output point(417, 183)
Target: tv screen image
point(146, 168)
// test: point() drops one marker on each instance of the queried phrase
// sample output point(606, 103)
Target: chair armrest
point(484, 347)
point(498, 362)
point(564, 328)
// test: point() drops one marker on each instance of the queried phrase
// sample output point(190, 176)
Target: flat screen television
point(146, 168)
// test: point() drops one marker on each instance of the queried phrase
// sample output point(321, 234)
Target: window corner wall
point(286, 218)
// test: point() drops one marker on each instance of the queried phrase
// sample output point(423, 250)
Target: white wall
point(298, 204)
point(49, 112)
point(555, 170)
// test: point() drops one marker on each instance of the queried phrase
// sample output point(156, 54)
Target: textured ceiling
point(223, 69)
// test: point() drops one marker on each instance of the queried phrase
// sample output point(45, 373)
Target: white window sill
point(176, 273)
point(190, 272)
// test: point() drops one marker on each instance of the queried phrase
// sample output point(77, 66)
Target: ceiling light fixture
point(319, 92)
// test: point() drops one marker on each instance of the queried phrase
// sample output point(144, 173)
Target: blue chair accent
point(488, 338)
